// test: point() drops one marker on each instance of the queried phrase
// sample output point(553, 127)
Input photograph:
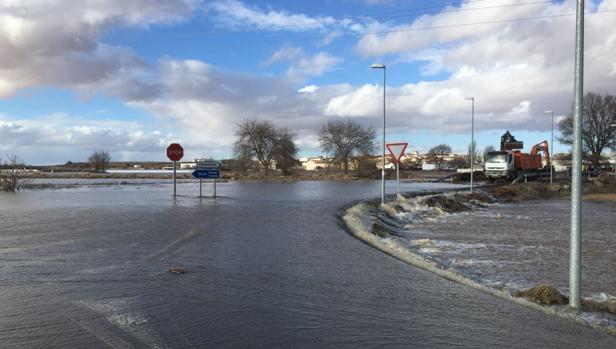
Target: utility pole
point(472, 147)
point(551, 148)
point(382, 66)
point(576, 166)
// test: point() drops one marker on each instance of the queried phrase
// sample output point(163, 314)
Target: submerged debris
point(177, 271)
point(445, 203)
point(543, 294)
point(608, 306)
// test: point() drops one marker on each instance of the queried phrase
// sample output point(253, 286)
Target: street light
point(472, 147)
point(552, 147)
point(382, 66)
point(614, 125)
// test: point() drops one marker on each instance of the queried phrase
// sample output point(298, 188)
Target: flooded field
point(267, 265)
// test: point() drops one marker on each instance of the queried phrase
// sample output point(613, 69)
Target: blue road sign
point(206, 173)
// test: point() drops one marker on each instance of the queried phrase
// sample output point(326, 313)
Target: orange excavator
point(510, 162)
point(532, 161)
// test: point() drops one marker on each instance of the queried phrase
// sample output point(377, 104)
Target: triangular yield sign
point(397, 150)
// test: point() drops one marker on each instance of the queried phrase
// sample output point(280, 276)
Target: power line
point(460, 9)
point(419, 11)
point(408, 29)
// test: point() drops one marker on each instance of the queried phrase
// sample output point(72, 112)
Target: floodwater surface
point(267, 265)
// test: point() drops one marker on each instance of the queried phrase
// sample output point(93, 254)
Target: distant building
point(315, 163)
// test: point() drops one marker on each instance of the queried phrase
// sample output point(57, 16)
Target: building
point(315, 163)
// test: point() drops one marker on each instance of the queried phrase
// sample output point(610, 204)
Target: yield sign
point(397, 150)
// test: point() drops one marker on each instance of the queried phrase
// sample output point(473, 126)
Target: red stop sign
point(175, 152)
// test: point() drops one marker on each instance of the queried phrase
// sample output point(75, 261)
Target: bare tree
point(285, 150)
point(488, 149)
point(257, 139)
point(438, 153)
point(346, 138)
point(597, 135)
point(99, 160)
point(13, 175)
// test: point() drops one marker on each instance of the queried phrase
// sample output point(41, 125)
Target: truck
point(509, 163)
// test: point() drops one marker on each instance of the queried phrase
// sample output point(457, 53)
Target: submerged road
point(268, 265)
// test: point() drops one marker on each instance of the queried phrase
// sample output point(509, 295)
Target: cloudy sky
point(132, 76)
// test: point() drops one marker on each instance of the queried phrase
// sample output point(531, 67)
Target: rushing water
point(520, 245)
point(268, 265)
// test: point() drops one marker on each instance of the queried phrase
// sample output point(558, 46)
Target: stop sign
point(175, 152)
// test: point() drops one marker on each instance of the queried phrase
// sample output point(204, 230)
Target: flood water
point(268, 265)
point(520, 245)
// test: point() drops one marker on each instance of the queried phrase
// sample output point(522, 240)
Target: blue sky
point(131, 76)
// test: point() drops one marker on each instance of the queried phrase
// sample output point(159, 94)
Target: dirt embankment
point(597, 189)
point(548, 294)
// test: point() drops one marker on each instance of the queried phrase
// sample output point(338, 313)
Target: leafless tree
point(13, 175)
point(597, 134)
point(487, 150)
point(438, 153)
point(99, 160)
point(346, 138)
point(260, 139)
point(285, 150)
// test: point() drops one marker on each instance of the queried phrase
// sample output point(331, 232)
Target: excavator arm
point(543, 147)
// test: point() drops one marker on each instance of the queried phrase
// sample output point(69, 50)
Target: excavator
point(509, 163)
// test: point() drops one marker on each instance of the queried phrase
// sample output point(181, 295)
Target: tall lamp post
point(575, 256)
point(472, 147)
point(552, 147)
point(382, 66)
point(614, 125)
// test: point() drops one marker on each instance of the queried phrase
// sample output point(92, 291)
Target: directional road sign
point(175, 152)
point(397, 150)
point(204, 164)
point(206, 174)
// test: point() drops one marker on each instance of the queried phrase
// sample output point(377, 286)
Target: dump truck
point(510, 162)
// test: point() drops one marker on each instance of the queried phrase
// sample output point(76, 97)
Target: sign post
point(209, 169)
point(175, 152)
point(397, 151)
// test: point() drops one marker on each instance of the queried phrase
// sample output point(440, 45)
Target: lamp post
point(472, 147)
point(575, 256)
point(614, 125)
point(551, 145)
point(382, 66)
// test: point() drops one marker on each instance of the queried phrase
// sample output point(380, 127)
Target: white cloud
point(236, 14)
point(284, 54)
point(46, 44)
point(65, 137)
point(315, 65)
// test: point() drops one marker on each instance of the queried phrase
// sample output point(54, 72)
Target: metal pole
point(472, 140)
point(200, 187)
point(576, 178)
point(398, 179)
point(552, 153)
point(383, 161)
point(214, 187)
point(174, 167)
